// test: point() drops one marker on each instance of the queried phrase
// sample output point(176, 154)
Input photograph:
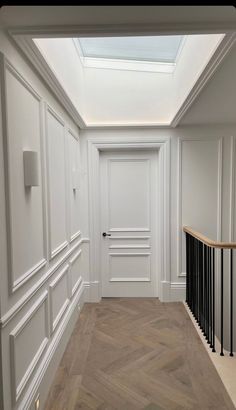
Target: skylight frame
point(154, 48)
point(129, 64)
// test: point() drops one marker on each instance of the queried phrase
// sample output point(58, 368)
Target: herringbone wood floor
point(130, 354)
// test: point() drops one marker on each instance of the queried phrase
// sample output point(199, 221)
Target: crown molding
point(124, 29)
point(36, 58)
point(220, 53)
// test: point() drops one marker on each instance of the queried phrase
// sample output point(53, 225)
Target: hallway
point(129, 354)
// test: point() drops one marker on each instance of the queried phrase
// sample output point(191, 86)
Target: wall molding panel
point(14, 335)
point(181, 140)
point(7, 72)
point(39, 303)
point(75, 284)
point(52, 347)
point(74, 184)
point(55, 317)
point(11, 313)
point(56, 167)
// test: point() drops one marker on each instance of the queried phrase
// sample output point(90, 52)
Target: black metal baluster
point(195, 276)
point(198, 293)
point(205, 292)
point(213, 300)
point(210, 297)
point(190, 272)
point(187, 271)
point(207, 296)
point(201, 265)
point(231, 302)
point(222, 303)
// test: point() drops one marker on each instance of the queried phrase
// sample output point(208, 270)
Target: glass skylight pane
point(151, 48)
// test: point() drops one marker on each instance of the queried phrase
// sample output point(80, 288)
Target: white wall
point(41, 306)
point(217, 101)
point(45, 266)
point(200, 191)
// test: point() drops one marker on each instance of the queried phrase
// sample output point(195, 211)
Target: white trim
point(129, 246)
point(65, 243)
point(135, 279)
point(178, 291)
point(76, 286)
point(93, 30)
point(128, 237)
point(53, 284)
point(17, 389)
point(27, 275)
point(12, 312)
point(95, 146)
point(16, 284)
point(129, 230)
point(57, 250)
point(79, 280)
point(128, 65)
point(32, 52)
point(75, 236)
point(130, 254)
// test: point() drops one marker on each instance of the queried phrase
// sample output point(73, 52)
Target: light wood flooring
point(130, 354)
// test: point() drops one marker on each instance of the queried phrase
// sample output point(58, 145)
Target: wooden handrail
point(207, 241)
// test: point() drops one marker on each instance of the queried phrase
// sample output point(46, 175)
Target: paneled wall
point(45, 230)
point(201, 186)
point(42, 267)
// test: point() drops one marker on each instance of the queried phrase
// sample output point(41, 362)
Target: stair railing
point(201, 285)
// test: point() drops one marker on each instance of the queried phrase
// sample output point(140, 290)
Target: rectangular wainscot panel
point(74, 185)
point(26, 219)
point(75, 271)
point(27, 343)
point(57, 183)
point(59, 297)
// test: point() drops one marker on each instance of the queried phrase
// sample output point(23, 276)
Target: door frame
point(95, 147)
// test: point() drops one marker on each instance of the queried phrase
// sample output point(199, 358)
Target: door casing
point(95, 147)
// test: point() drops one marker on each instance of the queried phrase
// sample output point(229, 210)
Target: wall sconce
point(75, 179)
point(31, 176)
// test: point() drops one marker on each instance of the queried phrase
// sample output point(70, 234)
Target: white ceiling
point(216, 104)
point(120, 96)
point(216, 101)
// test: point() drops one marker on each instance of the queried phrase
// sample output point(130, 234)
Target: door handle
point(106, 234)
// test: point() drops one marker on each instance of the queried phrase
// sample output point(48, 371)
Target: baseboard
point(164, 295)
point(172, 291)
point(87, 291)
point(92, 293)
point(43, 378)
point(177, 292)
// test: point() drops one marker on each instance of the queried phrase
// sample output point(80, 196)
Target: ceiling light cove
point(132, 81)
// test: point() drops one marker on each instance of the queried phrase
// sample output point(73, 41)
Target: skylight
point(127, 81)
point(162, 49)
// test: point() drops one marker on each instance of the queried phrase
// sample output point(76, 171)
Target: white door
point(128, 192)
